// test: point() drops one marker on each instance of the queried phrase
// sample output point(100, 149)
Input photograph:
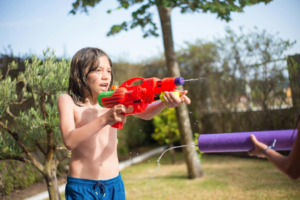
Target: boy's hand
point(171, 100)
point(115, 114)
point(258, 148)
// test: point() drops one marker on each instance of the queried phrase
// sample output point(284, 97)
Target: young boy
point(86, 131)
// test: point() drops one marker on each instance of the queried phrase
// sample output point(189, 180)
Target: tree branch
point(50, 141)
point(267, 62)
point(18, 103)
point(179, 4)
point(62, 158)
point(61, 148)
point(6, 73)
point(15, 157)
point(40, 148)
point(42, 105)
point(9, 113)
point(24, 148)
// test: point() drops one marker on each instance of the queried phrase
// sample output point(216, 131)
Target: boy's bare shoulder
point(65, 99)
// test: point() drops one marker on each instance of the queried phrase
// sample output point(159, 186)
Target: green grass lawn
point(224, 177)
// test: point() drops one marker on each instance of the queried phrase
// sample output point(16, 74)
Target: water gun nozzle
point(179, 81)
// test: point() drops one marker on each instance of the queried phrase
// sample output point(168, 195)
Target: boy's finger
point(130, 109)
point(122, 109)
point(186, 99)
point(171, 97)
point(166, 97)
point(183, 92)
point(175, 99)
point(118, 119)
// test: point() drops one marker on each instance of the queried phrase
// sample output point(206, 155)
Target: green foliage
point(143, 17)
point(8, 146)
point(16, 175)
point(134, 134)
point(43, 80)
point(46, 79)
point(7, 90)
point(49, 78)
point(166, 127)
point(83, 4)
point(222, 64)
point(196, 136)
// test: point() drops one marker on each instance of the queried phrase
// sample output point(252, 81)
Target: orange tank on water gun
point(138, 96)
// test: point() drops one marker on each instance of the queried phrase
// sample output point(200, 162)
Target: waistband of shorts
point(89, 182)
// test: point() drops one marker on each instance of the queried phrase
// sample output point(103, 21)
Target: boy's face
point(99, 79)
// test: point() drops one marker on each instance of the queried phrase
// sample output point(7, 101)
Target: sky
point(33, 25)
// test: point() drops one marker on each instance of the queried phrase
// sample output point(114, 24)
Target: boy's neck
point(90, 102)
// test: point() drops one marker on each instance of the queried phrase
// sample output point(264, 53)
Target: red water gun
point(138, 96)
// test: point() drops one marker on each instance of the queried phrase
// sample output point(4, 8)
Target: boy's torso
point(95, 158)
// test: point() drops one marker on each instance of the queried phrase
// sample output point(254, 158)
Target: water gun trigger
point(119, 125)
point(130, 110)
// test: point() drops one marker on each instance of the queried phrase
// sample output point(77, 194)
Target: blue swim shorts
point(77, 189)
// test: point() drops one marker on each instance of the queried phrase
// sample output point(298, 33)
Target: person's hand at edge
point(258, 148)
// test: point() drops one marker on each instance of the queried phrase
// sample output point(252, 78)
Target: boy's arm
point(72, 137)
point(171, 101)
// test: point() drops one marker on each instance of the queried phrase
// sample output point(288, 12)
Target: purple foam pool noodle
point(241, 142)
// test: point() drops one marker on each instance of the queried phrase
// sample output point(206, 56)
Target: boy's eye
point(109, 71)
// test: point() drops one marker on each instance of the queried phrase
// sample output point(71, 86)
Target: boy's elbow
point(294, 176)
point(69, 145)
point(293, 173)
point(69, 148)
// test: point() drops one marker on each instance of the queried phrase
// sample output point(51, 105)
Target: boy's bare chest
point(83, 115)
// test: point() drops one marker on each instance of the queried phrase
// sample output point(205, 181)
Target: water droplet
point(137, 154)
point(190, 112)
point(140, 130)
point(130, 152)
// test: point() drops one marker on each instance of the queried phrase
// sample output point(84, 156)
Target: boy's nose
point(105, 76)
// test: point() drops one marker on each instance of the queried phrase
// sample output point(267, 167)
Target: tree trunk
point(52, 184)
point(190, 154)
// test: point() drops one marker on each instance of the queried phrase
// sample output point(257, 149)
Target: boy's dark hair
point(84, 58)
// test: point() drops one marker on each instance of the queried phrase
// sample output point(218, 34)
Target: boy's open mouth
point(104, 86)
